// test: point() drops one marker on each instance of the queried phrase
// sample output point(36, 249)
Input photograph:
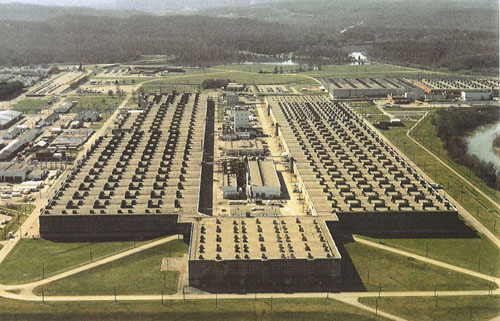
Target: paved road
point(430, 261)
point(27, 289)
point(349, 298)
point(469, 217)
point(461, 210)
point(354, 302)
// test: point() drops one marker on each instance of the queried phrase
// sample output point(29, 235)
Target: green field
point(476, 254)
point(105, 105)
point(474, 203)
point(135, 274)
point(30, 106)
point(464, 308)
point(24, 264)
point(164, 88)
point(237, 76)
point(365, 71)
point(121, 80)
point(19, 213)
point(14, 224)
point(334, 71)
point(192, 310)
point(255, 68)
point(426, 134)
point(393, 272)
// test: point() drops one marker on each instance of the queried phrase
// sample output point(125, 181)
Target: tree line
point(453, 125)
point(215, 83)
point(437, 48)
point(10, 89)
point(190, 39)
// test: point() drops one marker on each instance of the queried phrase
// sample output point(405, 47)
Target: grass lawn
point(334, 71)
point(14, 224)
point(400, 273)
point(366, 71)
point(24, 208)
point(475, 204)
point(24, 263)
point(477, 254)
point(105, 105)
point(426, 134)
point(30, 106)
point(192, 310)
point(267, 68)
point(122, 80)
point(136, 274)
point(166, 88)
point(461, 192)
point(237, 76)
point(465, 308)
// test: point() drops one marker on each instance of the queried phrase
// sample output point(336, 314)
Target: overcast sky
point(93, 3)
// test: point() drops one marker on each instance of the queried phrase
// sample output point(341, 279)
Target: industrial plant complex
point(260, 192)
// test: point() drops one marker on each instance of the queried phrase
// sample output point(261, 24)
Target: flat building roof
point(262, 238)
point(263, 173)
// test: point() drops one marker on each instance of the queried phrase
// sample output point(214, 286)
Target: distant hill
point(31, 12)
point(337, 15)
point(150, 6)
point(452, 34)
point(162, 6)
point(192, 39)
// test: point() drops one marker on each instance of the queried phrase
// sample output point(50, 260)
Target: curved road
point(26, 290)
point(468, 216)
point(461, 210)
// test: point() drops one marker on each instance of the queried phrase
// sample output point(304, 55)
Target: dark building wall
point(258, 276)
point(402, 224)
point(111, 227)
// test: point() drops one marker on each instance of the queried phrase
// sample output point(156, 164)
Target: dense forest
point(454, 50)
point(11, 89)
point(192, 39)
point(452, 127)
point(456, 35)
point(215, 83)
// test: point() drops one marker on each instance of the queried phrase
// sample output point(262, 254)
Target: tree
point(110, 93)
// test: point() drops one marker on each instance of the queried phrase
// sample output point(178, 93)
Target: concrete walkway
point(27, 289)
point(469, 218)
point(354, 302)
point(430, 261)
point(351, 298)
